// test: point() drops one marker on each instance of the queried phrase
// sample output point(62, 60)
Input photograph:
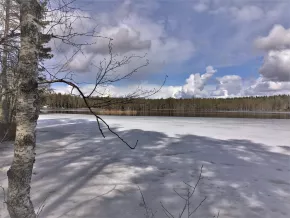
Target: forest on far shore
point(266, 103)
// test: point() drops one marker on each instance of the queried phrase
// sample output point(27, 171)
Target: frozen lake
point(246, 166)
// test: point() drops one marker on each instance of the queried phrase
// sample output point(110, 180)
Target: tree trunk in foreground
point(27, 110)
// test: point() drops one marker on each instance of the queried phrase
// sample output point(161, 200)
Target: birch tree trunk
point(27, 110)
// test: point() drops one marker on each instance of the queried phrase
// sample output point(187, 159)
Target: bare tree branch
point(198, 206)
point(190, 191)
point(98, 118)
point(167, 213)
point(148, 212)
point(196, 184)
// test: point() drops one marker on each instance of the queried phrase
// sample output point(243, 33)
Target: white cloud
point(229, 86)
point(278, 38)
point(80, 63)
point(73, 23)
point(264, 87)
point(195, 84)
point(132, 34)
point(125, 39)
point(235, 23)
point(122, 91)
point(235, 86)
point(276, 66)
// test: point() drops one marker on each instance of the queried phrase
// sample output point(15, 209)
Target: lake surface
point(171, 113)
point(246, 170)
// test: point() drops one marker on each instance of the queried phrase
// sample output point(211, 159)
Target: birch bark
point(27, 110)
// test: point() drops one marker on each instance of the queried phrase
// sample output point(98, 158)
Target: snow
point(246, 166)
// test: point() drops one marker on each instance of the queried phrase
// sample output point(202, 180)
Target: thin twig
point(198, 206)
point(145, 205)
point(167, 213)
point(183, 209)
point(199, 178)
point(179, 195)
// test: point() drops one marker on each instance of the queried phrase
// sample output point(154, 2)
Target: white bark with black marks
point(27, 110)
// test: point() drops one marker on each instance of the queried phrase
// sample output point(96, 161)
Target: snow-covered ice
point(246, 166)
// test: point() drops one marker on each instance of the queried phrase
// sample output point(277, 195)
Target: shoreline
point(162, 110)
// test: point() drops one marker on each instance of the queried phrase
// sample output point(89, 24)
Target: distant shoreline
point(161, 110)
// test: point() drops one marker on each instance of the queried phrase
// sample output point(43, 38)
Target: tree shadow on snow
point(79, 174)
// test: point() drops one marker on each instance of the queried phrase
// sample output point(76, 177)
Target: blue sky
point(221, 48)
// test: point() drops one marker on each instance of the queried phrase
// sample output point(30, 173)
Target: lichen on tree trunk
point(27, 110)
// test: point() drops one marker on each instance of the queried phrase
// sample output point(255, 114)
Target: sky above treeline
point(208, 48)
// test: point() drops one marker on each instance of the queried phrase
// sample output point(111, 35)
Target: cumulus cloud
point(228, 86)
point(125, 39)
point(278, 38)
point(132, 34)
point(235, 86)
point(195, 84)
point(276, 66)
point(73, 23)
point(137, 32)
point(231, 24)
point(263, 87)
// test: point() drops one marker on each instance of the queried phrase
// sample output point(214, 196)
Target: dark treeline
point(266, 103)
